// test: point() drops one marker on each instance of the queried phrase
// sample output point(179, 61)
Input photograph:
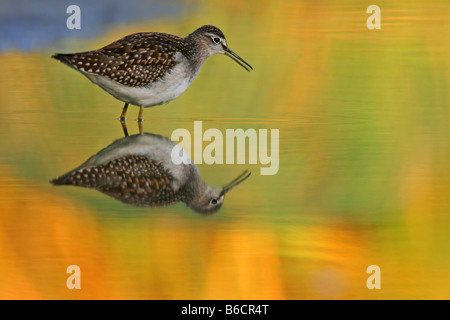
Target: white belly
point(166, 89)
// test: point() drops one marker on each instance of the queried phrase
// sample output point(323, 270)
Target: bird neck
point(200, 51)
point(195, 188)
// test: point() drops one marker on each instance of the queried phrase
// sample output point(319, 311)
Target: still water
point(364, 176)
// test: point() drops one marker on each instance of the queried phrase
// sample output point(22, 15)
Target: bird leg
point(124, 112)
point(140, 126)
point(141, 112)
point(124, 127)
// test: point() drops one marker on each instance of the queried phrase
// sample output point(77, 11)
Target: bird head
point(213, 39)
point(211, 199)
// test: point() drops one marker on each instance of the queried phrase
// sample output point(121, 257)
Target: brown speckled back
point(136, 60)
point(133, 179)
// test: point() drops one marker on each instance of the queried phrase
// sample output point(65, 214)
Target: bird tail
point(64, 58)
point(84, 177)
point(61, 181)
point(69, 178)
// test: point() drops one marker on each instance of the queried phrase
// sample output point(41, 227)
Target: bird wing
point(132, 179)
point(135, 60)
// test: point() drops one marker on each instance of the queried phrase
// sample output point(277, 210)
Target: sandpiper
point(150, 68)
point(140, 170)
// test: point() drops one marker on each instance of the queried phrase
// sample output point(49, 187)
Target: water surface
point(364, 173)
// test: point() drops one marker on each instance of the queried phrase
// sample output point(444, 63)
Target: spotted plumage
point(136, 60)
point(139, 170)
point(150, 68)
point(132, 179)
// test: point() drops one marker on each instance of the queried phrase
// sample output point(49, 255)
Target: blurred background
point(364, 174)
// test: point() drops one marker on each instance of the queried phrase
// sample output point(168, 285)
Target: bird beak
point(236, 181)
point(238, 59)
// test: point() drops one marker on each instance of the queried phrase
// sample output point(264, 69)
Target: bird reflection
point(142, 170)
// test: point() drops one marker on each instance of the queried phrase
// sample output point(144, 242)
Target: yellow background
point(364, 173)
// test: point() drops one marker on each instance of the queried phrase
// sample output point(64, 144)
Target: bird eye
point(214, 201)
point(216, 40)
